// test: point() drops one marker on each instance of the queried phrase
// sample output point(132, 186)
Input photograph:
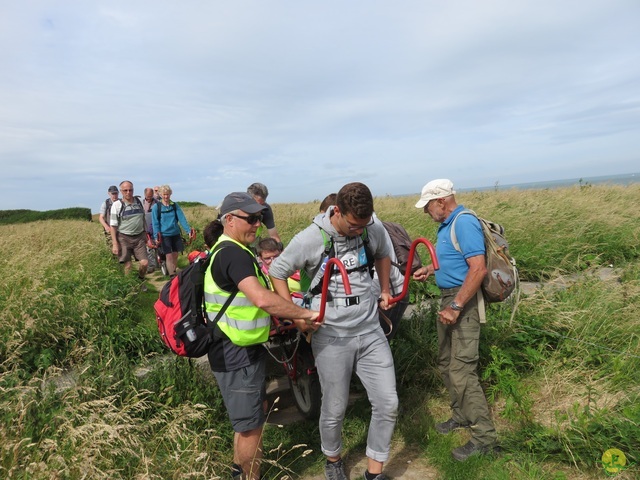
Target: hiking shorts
point(132, 245)
point(243, 392)
point(172, 244)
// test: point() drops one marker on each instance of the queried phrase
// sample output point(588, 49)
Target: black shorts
point(172, 244)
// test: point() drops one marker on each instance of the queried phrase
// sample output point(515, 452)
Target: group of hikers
point(251, 279)
point(136, 227)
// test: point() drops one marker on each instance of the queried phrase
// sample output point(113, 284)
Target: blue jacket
point(170, 219)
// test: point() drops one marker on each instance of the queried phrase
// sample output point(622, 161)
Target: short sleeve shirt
point(267, 217)
point(453, 264)
point(230, 267)
point(128, 217)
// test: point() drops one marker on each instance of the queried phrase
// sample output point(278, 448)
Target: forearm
point(281, 307)
point(281, 287)
point(273, 233)
point(383, 267)
point(473, 281)
point(114, 234)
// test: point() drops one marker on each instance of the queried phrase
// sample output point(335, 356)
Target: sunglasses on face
point(250, 219)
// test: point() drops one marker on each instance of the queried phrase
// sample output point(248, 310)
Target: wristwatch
point(456, 307)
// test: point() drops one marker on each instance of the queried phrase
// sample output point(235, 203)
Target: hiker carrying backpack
point(179, 309)
point(502, 274)
point(501, 279)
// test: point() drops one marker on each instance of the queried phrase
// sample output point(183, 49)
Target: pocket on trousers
point(466, 340)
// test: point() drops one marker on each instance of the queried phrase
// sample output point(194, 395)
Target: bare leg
point(142, 268)
point(172, 262)
point(247, 452)
point(374, 467)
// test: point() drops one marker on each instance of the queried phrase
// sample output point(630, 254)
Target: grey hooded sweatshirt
point(305, 252)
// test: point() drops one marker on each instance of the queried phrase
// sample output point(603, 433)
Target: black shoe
point(380, 476)
point(335, 471)
point(449, 426)
point(469, 449)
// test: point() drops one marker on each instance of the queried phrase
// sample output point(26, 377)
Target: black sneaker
point(449, 426)
point(469, 449)
point(335, 471)
point(380, 476)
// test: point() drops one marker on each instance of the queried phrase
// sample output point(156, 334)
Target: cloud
point(212, 96)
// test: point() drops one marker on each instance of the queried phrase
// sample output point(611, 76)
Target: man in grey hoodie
point(350, 338)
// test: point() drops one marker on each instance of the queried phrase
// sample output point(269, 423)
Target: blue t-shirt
point(453, 265)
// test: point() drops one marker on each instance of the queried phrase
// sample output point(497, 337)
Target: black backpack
point(107, 212)
point(402, 245)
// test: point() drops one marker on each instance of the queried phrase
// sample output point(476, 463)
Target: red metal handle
point(407, 274)
point(325, 284)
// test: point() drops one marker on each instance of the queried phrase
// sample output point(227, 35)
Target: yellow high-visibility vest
point(243, 322)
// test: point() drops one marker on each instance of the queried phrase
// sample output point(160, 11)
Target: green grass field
point(87, 389)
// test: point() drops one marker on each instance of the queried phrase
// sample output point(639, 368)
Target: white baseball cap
point(439, 188)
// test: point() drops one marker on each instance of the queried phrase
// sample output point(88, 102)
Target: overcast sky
point(305, 96)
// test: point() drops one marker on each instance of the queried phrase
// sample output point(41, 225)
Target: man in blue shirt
point(459, 278)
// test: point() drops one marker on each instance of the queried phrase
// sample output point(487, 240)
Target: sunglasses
point(250, 219)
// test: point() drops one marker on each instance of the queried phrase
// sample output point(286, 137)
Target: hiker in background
point(459, 277)
point(259, 192)
point(209, 234)
point(167, 217)
point(128, 232)
point(156, 193)
point(148, 202)
point(328, 201)
point(390, 320)
point(105, 213)
point(237, 356)
point(267, 251)
point(350, 339)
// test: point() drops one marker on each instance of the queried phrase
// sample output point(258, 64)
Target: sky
point(305, 96)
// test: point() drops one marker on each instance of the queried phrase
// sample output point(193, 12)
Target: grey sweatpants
point(370, 357)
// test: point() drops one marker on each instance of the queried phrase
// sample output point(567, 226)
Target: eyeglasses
point(250, 219)
point(126, 189)
point(269, 259)
point(354, 228)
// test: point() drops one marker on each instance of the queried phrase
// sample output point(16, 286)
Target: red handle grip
point(325, 284)
point(407, 274)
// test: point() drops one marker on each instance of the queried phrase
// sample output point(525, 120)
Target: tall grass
point(87, 392)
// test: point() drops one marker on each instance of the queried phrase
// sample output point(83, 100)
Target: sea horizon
point(620, 179)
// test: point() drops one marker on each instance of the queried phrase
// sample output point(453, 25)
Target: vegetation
point(88, 391)
point(10, 217)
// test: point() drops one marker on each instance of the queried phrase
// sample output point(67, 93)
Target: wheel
point(163, 268)
point(162, 263)
point(305, 385)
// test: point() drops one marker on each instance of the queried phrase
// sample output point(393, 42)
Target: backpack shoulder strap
point(367, 250)
point(454, 237)
point(315, 283)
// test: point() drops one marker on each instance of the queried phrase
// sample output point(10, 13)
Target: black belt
point(344, 301)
